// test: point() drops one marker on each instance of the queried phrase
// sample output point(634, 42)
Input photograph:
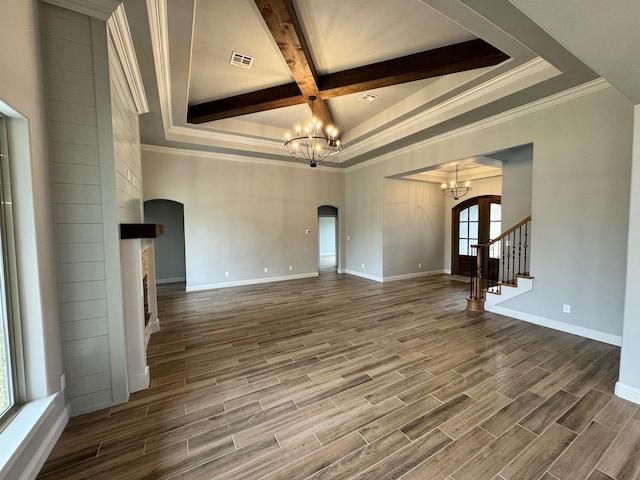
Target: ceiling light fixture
point(453, 190)
point(311, 145)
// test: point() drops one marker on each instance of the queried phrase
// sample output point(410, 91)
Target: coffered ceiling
point(432, 66)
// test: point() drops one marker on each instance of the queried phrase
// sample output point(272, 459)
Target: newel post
point(475, 302)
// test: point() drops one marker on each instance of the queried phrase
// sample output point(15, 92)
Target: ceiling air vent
point(367, 97)
point(241, 60)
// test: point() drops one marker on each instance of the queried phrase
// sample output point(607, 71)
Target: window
point(9, 327)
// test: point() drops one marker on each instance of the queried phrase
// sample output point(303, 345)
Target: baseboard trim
point(365, 275)
point(140, 381)
point(556, 325)
point(170, 280)
point(252, 281)
point(628, 393)
point(407, 276)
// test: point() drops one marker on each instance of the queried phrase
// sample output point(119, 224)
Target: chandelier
point(311, 145)
point(455, 191)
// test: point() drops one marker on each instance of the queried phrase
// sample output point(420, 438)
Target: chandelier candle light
point(311, 145)
point(455, 191)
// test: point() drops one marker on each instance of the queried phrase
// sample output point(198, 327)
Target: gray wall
point(580, 195)
point(242, 217)
point(516, 192)
point(169, 248)
point(413, 228)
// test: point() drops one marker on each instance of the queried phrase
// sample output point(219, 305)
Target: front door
point(474, 221)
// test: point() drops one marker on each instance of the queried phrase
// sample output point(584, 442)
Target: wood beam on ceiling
point(282, 21)
point(284, 25)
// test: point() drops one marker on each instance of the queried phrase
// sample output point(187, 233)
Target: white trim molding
point(627, 392)
point(556, 325)
point(21, 430)
point(251, 281)
point(365, 275)
point(99, 9)
point(407, 276)
point(118, 27)
point(139, 381)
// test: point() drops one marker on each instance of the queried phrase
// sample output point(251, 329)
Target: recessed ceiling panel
point(222, 27)
point(344, 34)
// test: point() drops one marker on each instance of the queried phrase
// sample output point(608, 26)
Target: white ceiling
point(184, 58)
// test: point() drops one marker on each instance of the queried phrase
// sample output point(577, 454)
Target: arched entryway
point(169, 247)
point(474, 221)
point(327, 238)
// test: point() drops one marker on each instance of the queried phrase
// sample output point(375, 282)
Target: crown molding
point(517, 78)
point(99, 9)
point(118, 27)
point(556, 99)
point(228, 157)
point(158, 27)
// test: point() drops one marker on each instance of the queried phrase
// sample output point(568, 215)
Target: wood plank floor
point(340, 377)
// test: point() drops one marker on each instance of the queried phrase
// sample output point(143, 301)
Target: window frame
point(9, 296)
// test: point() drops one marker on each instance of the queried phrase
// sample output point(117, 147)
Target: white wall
point(628, 385)
point(327, 235)
point(414, 223)
point(580, 195)
point(26, 442)
point(242, 217)
point(82, 154)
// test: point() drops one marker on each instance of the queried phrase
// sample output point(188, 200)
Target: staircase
point(501, 268)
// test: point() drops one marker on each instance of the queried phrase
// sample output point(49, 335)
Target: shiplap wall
point(128, 179)
point(126, 145)
point(84, 215)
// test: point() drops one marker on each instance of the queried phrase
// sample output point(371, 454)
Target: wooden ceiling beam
point(262, 100)
point(419, 66)
point(282, 21)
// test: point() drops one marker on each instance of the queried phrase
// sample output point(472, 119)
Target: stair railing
point(499, 262)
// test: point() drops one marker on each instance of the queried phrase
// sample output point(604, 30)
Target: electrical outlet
point(266, 269)
point(63, 382)
point(363, 266)
point(290, 267)
point(419, 265)
point(566, 308)
point(226, 274)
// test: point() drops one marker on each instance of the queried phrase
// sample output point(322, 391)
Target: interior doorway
point(327, 239)
point(474, 221)
point(170, 247)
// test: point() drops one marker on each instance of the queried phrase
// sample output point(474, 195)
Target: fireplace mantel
point(140, 230)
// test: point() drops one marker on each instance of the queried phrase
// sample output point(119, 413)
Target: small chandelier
point(453, 190)
point(311, 145)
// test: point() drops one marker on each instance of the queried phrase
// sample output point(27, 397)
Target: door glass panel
point(464, 215)
point(463, 247)
point(463, 232)
point(495, 213)
point(494, 230)
point(473, 231)
point(473, 213)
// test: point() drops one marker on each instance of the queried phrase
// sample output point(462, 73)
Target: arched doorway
point(169, 247)
point(474, 221)
point(327, 239)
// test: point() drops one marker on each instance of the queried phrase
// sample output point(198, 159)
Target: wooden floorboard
point(338, 377)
